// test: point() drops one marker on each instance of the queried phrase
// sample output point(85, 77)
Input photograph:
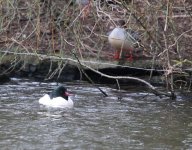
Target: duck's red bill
point(67, 94)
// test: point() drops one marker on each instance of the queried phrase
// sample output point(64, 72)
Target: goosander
point(124, 42)
point(59, 98)
point(121, 41)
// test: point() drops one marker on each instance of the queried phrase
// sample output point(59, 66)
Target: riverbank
point(55, 68)
point(56, 40)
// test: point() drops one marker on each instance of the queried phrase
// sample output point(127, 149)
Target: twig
point(90, 80)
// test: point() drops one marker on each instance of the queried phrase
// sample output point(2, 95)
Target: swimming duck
point(59, 97)
point(123, 42)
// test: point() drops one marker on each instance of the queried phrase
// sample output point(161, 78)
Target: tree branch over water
point(153, 89)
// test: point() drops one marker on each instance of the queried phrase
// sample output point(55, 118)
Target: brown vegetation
point(59, 27)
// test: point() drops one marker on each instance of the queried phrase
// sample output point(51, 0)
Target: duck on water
point(59, 98)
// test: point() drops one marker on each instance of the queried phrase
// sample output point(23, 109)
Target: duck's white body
point(58, 102)
point(120, 39)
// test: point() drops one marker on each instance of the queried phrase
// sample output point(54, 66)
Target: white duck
point(59, 98)
point(123, 42)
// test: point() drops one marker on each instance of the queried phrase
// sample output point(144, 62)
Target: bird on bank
point(124, 43)
point(59, 98)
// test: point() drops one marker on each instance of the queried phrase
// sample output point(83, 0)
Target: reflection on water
point(136, 121)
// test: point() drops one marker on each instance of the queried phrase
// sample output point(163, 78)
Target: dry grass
point(58, 27)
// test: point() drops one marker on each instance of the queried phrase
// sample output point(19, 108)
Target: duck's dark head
point(60, 91)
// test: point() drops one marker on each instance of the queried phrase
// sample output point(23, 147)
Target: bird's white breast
point(56, 102)
point(120, 39)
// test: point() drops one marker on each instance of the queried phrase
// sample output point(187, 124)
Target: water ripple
point(131, 119)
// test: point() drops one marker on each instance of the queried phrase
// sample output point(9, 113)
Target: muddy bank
point(44, 71)
point(68, 69)
point(65, 71)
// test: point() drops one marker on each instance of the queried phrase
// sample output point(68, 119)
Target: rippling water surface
point(136, 121)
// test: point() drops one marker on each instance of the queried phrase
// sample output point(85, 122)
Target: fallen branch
point(90, 80)
point(150, 87)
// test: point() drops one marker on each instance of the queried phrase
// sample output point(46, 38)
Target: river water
point(137, 120)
